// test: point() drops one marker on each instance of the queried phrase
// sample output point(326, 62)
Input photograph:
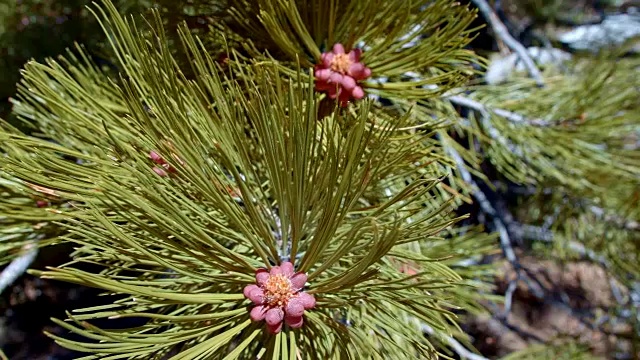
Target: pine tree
point(284, 182)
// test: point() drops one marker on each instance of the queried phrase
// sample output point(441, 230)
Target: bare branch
point(508, 297)
point(18, 266)
point(505, 240)
point(484, 110)
point(463, 352)
point(501, 31)
point(621, 222)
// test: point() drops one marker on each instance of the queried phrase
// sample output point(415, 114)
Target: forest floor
point(28, 306)
point(578, 295)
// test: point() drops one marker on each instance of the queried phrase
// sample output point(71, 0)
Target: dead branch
point(501, 31)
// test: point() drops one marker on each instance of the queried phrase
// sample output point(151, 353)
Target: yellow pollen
point(340, 63)
point(277, 290)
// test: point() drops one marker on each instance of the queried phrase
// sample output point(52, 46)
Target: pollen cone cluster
point(278, 297)
point(339, 74)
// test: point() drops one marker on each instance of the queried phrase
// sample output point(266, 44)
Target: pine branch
point(501, 31)
point(580, 146)
point(485, 110)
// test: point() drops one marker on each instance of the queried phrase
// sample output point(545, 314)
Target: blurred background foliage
point(37, 29)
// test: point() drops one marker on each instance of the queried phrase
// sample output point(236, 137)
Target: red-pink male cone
point(339, 72)
point(278, 297)
point(165, 168)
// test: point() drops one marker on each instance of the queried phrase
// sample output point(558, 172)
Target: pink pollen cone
point(274, 329)
point(348, 83)
point(335, 78)
point(294, 308)
point(164, 169)
point(338, 75)
point(255, 294)
point(354, 55)
point(274, 316)
point(326, 59)
point(278, 298)
point(155, 157)
point(323, 74)
point(258, 313)
point(298, 280)
point(307, 300)
point(287, 269)
point(338, 48)
point(294, 321)
point(247, 289)
point(276, 270)
point(357, 92)
point(357, 71)
point(262, 275)
point(160, 171)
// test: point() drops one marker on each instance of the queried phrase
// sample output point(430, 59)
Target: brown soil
point(578, 299)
